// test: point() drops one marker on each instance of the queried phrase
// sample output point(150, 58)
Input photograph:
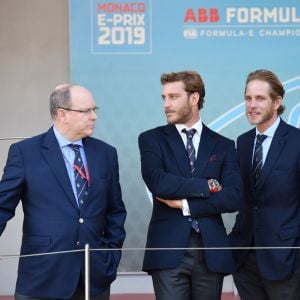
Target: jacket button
point(81, 220)
point(77, 243)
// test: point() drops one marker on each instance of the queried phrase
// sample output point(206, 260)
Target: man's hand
point(214, 185)
point(171, 203)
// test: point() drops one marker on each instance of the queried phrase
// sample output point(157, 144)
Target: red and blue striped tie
point(81, 181)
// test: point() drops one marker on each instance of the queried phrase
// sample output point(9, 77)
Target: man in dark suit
point(193, 178)
point(68, 183)
point(269, 157)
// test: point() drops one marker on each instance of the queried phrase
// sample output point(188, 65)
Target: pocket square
point(213, 157)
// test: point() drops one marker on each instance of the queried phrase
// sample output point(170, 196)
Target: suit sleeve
point(161, 183)
point(229, 199)
point(116, 212)
point(11, 185)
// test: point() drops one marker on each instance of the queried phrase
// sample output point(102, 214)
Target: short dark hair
point(193, 83)
point(276, 87)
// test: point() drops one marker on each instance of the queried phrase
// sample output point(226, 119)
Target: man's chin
point(253, 121)
point(89, 132)
point(171, 121)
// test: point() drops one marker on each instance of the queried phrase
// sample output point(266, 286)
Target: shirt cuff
point(185, 208)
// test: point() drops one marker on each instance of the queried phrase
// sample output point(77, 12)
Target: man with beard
point(269, 157)
point(193, 175)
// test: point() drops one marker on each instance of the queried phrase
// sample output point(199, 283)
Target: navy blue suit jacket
point(166, 172)
point(271, 214)
point(35, 173)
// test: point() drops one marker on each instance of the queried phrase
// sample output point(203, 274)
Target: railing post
point(87, 271)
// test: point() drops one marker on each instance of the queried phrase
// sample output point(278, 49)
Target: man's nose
point(93, 115)
point(252, 103)
point(167, 103)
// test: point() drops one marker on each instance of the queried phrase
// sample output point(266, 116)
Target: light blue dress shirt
point(69, 156)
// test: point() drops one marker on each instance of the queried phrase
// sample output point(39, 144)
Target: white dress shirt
point(196, 141)
point(267, 142)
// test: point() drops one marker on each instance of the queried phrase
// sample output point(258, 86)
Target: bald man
point(68, 183)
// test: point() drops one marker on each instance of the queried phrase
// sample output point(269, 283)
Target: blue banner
point(119, 49)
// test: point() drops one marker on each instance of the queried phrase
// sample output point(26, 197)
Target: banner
point(119, 49)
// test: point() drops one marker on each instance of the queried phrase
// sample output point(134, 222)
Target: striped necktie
point(190, 147)
point(258, 158)
point(192, 159)
point(81, 181)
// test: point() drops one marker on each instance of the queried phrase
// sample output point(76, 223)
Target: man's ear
point(277, 102)
point(61, 115)
point(195, 97)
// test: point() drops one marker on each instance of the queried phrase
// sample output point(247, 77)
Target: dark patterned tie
point(190, 147)
point(81, 181)
point(257, 158)
point(192, 158)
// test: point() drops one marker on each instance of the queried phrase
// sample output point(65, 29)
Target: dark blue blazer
point(35, 173)
point(166, 172)
point(271, 214)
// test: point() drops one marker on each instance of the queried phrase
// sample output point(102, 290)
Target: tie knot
point(260, 138)
point(75, 147)
point(189, 133)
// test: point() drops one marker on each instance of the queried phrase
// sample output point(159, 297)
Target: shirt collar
point(271, 130)
point(198, 126)
point(63, 141)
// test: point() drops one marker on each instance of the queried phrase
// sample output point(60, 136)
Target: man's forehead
point(81, 95)
point(80, 91)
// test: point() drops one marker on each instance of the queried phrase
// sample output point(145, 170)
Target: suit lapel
point(207, 144)
point(246, 151)
point(177, 147)
point(276, 147)
point(206, 147)
point(94, 158)
point(54, 158)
